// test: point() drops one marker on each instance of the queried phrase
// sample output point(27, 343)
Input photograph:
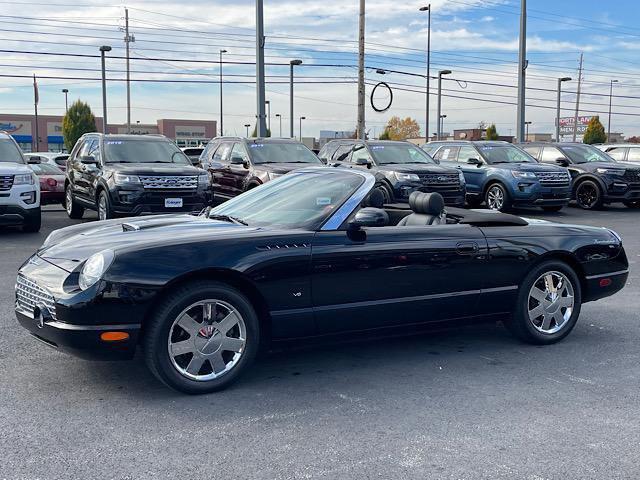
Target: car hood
point(70, 246)
point(417, 168)
point(7, 168)
point(529, 167)
point(154, 169)
point(283, 167)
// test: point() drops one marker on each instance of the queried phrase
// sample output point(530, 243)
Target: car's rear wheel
point(632, 204)
point(555, 208)
point(548, 304)
point(105, 211)
point(588, 195)
point(202, 337)
point(497, 198)
point(73, 209)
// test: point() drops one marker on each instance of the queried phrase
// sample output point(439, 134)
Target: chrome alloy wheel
point(207, 340)
point(102, 207)
point(551, 302)
point(495, 198)
point(69, 200)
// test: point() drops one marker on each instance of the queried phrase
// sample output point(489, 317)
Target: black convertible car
point(314, 252)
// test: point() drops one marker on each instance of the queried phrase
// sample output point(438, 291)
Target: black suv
point(239, 164)
point(400, 167)
point(597, 178)
point(132, 175)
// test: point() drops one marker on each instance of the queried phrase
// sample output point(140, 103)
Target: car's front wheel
point(549, 301)
point(202, 337)
point(588, 195)
point(497, 198)
point(105, 211)
point(74, 210)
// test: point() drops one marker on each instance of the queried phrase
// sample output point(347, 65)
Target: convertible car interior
point(426, 209)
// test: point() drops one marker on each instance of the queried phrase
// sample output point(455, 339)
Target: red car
point(51, 182)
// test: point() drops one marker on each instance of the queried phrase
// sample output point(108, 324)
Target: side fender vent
point(283, 246)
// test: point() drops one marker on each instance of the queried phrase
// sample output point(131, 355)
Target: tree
point(398, 129)
point(384, 135)
point(634, 139)
point(78, 121)
point(595, 132)
point(492, 132)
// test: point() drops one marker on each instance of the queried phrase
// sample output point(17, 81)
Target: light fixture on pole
point(440, 74)
point(247, 125)
point(279, 117)
point(103, 50)
point(426, 115)
point(66, 102)
point(301, 118)
point(610, 97)
point(221, 116)
point(560, 80)
point(526, 136)
point(291, 64)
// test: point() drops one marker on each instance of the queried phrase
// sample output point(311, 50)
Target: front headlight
point(407, 177)
point(121, 178)
point(527, 175)
point(24, 179)
point(203, 180)
point(610, 171)
point(94, 268)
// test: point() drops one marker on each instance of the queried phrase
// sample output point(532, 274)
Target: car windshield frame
point(376, 148)
point(482, 149)
point(7, 150)
point(571, 152)
point(171, 149)
point(288, 191)
point(258, 149)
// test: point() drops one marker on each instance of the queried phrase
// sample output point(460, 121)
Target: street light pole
point(127, 40)
point(268, 102)
point(104, 49)
point(522, 66)
point(426, 116)
point(610, 98)
point(291, 65)
point(442, 117)
point(526, 138)
point(279, 117)
point(247, 125)
point(221, 115)
point(301, 118)
point(66, 102)
point(560, 80)
point(440, 74)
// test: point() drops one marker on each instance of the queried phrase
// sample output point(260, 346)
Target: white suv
point(19, 188)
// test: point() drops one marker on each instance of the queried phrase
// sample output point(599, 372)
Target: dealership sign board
point(567, 127)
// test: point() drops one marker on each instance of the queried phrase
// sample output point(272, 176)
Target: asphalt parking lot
point(467, 403)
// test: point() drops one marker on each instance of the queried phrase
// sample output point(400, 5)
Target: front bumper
point(536, 195)
point(138, 201)
point(12, 215)
point(620, 191)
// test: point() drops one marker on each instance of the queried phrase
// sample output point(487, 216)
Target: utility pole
point(426, 115)
point(610, 98)
point(361, 93)
point(127, 40)
point(221, 115)
point(522, 66)
point(575, 117)
point(261, 126)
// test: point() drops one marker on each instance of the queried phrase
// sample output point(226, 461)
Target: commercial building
point(23, 129)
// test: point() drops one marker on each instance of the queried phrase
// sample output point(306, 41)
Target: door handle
point(467, 248)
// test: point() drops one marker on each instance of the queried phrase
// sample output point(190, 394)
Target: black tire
point(632, 204)
point(555, 208)
point(32, 223)
point(492, 193)
point(157, 331)
point(519, 323)
point(74, 210)
point(105, 211)
point(589, 195)
point(386, 193)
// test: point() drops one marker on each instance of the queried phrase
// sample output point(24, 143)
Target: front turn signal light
point(114, 336)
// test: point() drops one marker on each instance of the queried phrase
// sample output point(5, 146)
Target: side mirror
point(563, 162)
point(474, 161)
point(236, 160)
point(369, 217)
point(88, 160)
point(34, 160)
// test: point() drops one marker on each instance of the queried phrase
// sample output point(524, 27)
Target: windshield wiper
point(228, 218)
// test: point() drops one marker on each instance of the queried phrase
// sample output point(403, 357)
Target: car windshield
point(45, 169)
point(281, 153)
point(504, 154)
point(296, 200)
point(143, 151)
point(9, 153)
point(399, 153)
point(586, 154)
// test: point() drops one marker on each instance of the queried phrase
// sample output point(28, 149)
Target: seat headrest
point(375, 199)
point(427, 203)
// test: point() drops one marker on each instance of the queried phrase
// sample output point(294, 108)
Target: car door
point(84, 172)
point(395, 275)
point(219, 170)
point(474, 173)
point(239, 170)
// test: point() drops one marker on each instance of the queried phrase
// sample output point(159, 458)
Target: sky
point(175, 70)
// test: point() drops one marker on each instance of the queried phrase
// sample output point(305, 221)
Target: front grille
point(29, 294)
point(632, 175)
point(440, 180)
point(554, 179)
point(6, 182)
point(172, 183)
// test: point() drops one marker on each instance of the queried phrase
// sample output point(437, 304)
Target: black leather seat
point(428, 209)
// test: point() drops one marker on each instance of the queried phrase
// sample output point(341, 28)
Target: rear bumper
point(47, 198)
point(15, 215)
point(604, 285)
